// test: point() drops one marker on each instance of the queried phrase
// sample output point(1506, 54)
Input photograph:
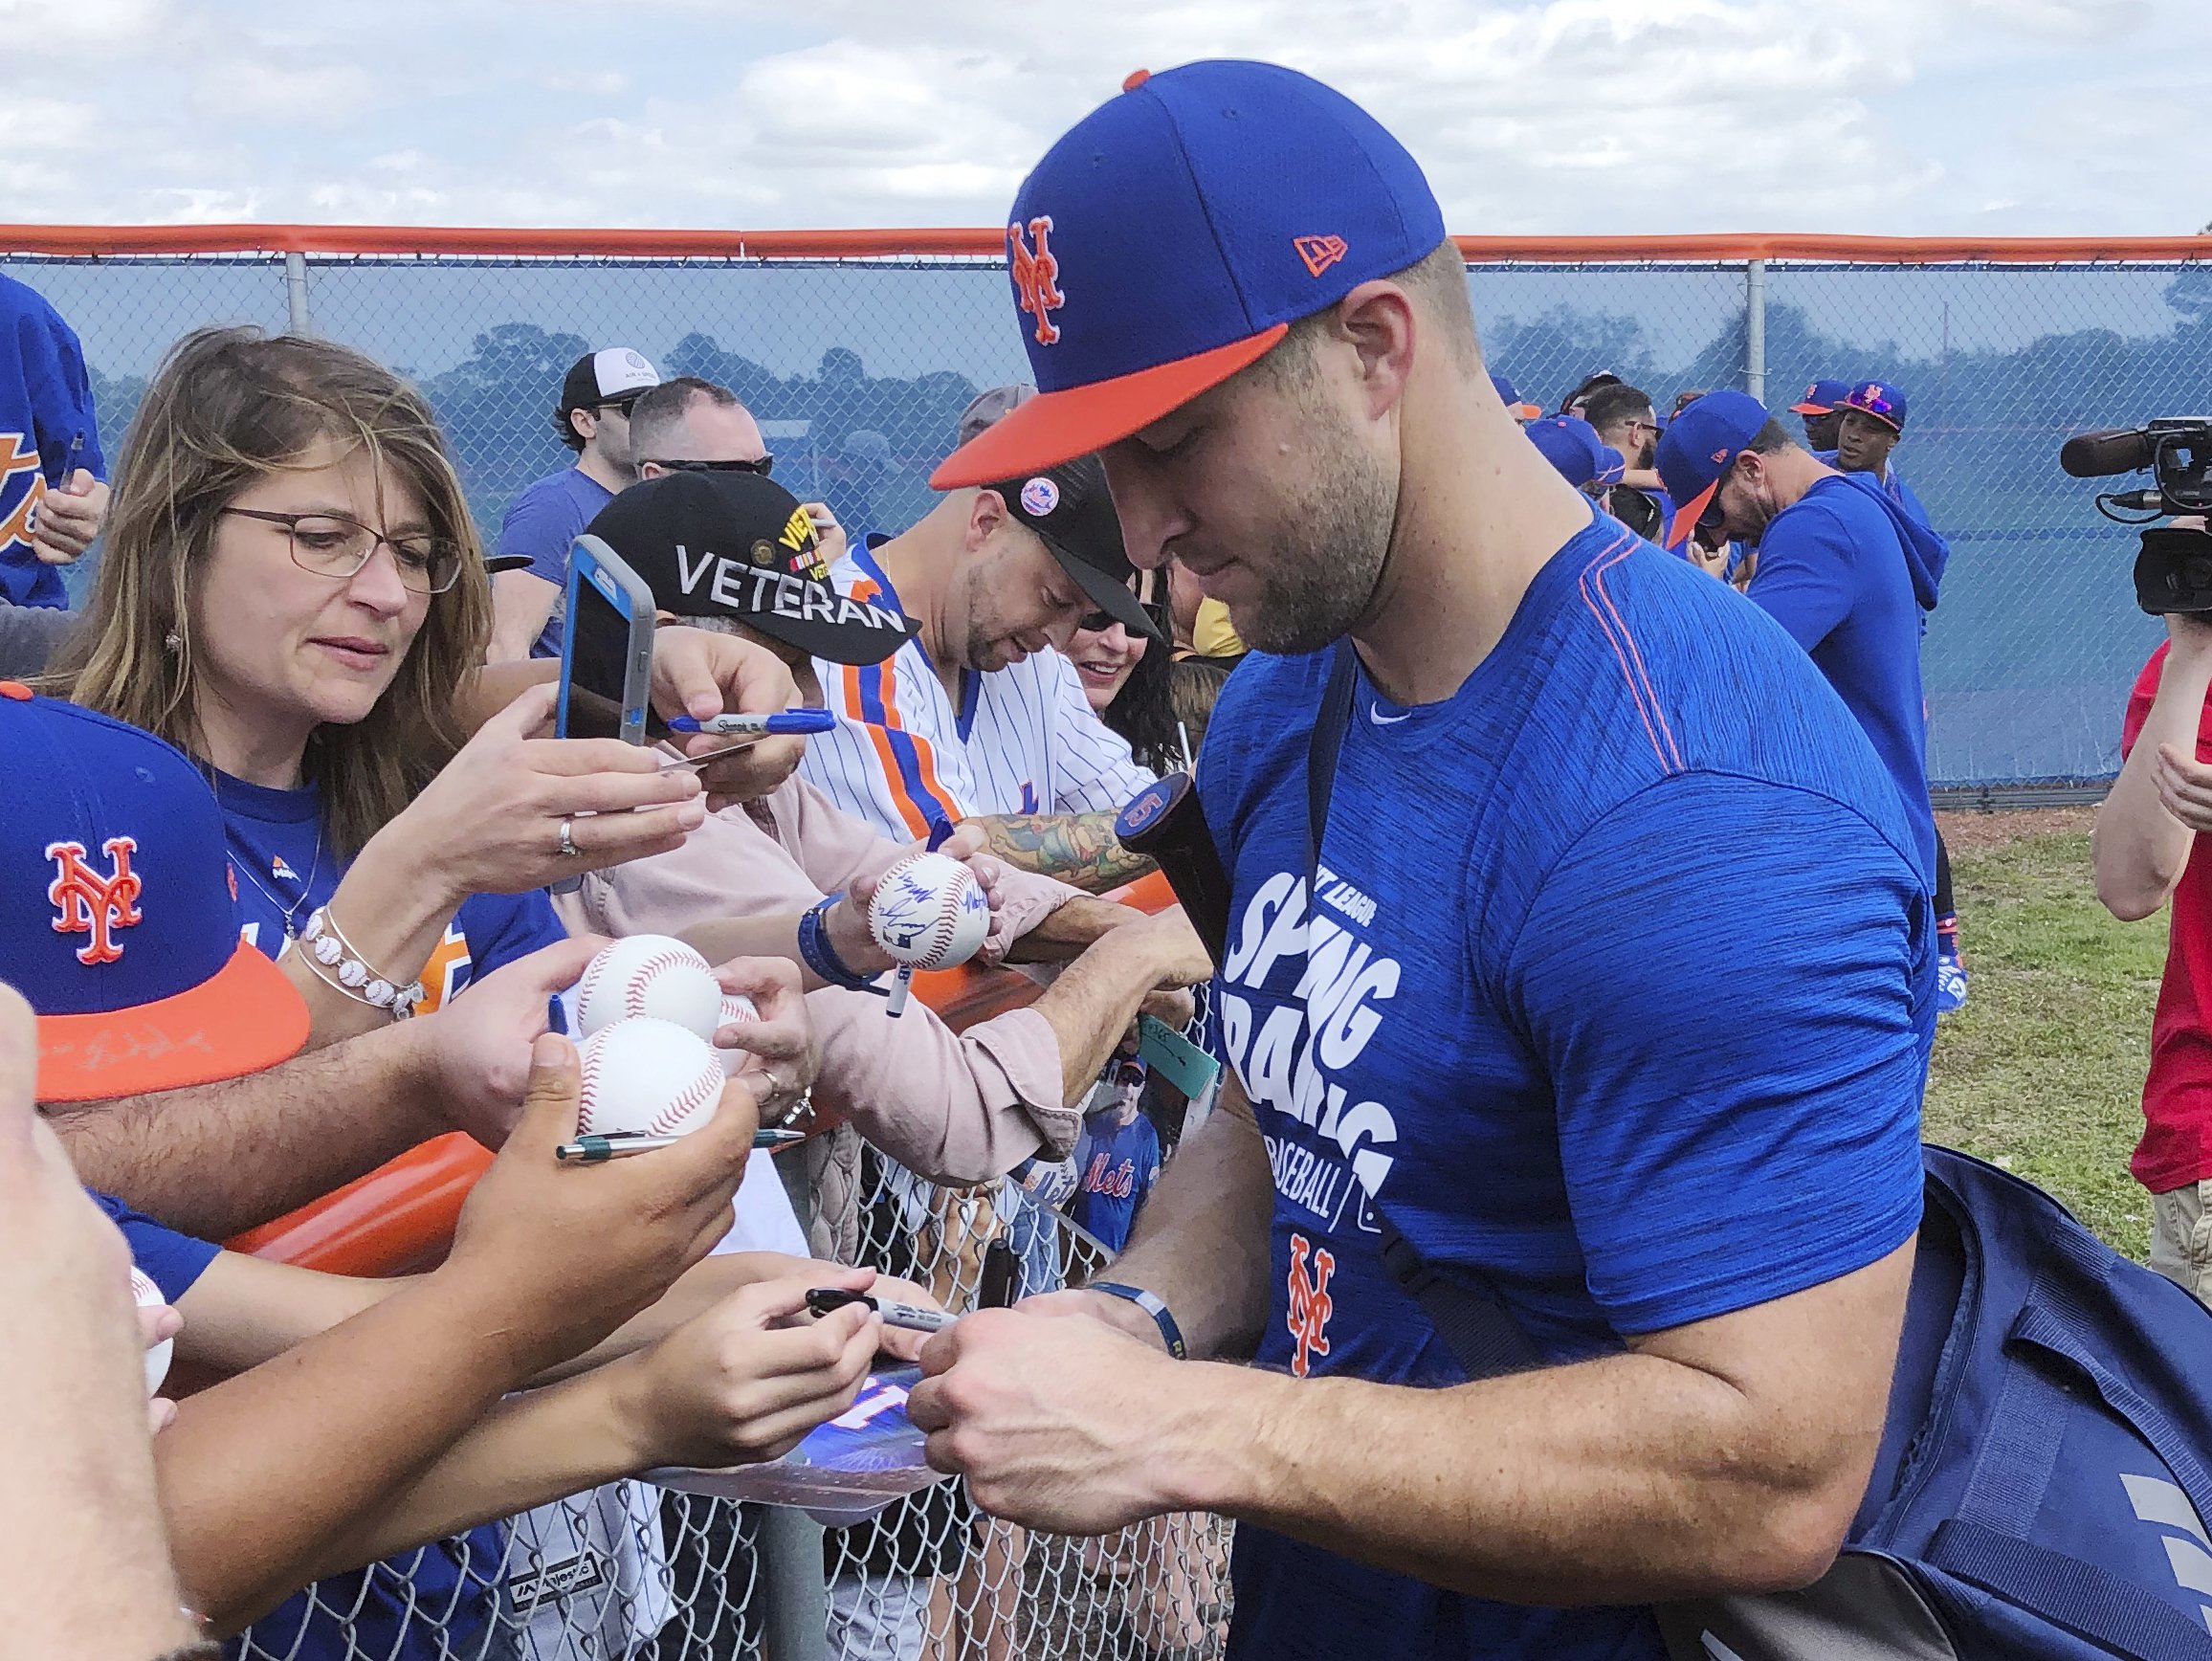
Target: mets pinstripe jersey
point(1023, 740)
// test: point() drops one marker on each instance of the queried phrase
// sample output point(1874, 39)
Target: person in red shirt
point(2146, 853)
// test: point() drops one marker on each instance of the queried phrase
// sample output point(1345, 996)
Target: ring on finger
point(566, 847)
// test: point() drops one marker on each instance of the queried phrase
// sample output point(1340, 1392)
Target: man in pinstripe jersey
point(979, 718)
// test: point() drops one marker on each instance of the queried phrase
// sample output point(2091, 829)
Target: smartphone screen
point(592, 698)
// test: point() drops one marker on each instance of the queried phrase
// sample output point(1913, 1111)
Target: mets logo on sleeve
point(1307, 1313)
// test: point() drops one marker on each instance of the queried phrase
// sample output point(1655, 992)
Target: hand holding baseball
point(480, 1045)
point(848, 922)
point(576, 1251)
point(775, 1052)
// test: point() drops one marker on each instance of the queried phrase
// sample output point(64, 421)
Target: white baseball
point(736, 1007)
point(648, 975)
point(148, 1295)
point(648, 1075)
point(929, 911)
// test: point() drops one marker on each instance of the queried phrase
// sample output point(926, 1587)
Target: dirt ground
point(1971, 831)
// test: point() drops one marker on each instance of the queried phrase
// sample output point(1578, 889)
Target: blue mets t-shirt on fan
point(414, 1606)
point(1559, 911)
point(286, 870)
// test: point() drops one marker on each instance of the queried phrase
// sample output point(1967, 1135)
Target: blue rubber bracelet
point(1170, 1334)
point(820, 955)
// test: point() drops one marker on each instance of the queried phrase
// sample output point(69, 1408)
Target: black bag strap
point(1473, 1320)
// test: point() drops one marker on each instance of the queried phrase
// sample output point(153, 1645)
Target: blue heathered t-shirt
point(1116, 1166)
point(539, 523)
point(47, 431)
point(1528, 893)
point(1851, 577)
point(411, 1607)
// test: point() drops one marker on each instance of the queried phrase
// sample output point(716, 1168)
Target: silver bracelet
point(350, 972)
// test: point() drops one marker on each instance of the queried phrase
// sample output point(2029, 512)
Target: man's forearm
point(2138, 848)
point(215, 1159)
point(1627, 1480)
point(1202, 1242)
point(1090, 1005)
point(1071, 928)
point(1077, 848)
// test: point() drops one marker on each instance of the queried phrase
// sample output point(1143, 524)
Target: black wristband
point(1170, 1334)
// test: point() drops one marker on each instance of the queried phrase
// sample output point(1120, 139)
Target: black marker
point(825, 1299)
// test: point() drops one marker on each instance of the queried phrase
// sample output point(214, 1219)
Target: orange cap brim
point(1056, 427)
point(1812, 408)
point(1687, 516)
point(246, 1017)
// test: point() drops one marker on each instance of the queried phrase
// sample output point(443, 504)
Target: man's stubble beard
point(1327, 553)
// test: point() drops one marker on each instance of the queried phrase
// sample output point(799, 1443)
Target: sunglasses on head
point(763, 466)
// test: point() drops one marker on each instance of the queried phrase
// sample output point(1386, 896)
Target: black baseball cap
point(739, 546)
point(1072, 513)
point(612, 375)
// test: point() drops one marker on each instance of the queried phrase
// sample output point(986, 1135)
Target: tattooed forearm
point(1079, 849)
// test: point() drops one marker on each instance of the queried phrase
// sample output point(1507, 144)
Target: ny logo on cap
point(1037, 275)
point(1309, 1307)
point(85, 903)
point(1319, 253)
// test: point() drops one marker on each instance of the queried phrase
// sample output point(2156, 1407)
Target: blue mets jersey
point(1499, 1024)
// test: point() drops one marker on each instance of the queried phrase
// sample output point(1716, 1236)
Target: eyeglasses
point(331, 545)
point(620, 406)
point(765, 466)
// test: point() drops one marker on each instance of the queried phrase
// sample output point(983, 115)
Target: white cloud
point(1530, 116)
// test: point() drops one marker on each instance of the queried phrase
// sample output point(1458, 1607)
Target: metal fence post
point(296, 293)
point(1754, 329)
point(794, 1588)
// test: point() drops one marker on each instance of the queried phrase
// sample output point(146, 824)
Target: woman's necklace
point(290, 912)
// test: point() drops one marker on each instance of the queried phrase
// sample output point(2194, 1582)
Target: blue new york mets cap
point(1879, 399)
point(1822, 398)
point(1572, 446)
point(1516, 406)
point(1698, 448)
point(118, 919)
point(1174, 234)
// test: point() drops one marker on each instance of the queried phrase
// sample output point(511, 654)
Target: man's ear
point(1379, 320)
point(583, 423)
point(987, 513)
point(650, 470)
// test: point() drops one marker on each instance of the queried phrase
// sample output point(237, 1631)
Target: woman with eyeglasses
point(294, 595)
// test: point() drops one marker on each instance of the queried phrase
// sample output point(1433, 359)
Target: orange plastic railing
point(400, 1217)
point(987, 242)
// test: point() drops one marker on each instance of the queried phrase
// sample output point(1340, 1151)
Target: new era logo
point(1319, 253)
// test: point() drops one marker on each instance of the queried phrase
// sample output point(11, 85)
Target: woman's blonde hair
point(229, 407)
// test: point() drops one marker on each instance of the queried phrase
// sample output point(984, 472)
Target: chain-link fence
point(858, 367)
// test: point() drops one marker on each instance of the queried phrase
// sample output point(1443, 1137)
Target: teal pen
point(593, 1150)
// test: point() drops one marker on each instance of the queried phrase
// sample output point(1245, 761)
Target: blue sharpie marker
point(789, 723)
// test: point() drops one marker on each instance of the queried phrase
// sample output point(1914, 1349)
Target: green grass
point(2043, 1071)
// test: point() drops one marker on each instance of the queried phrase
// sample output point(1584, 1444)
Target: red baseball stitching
point(707, 1084)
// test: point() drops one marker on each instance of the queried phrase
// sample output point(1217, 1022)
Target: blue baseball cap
point(1879, 399)
point(1516, 406)
point(1572, 444)
point(118, 920)
point(1821, 398)
point(1173, 235)
point(1698, 448)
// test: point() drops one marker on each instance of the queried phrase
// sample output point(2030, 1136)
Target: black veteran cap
point(739, 546)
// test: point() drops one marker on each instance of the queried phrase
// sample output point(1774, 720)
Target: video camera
point(2174, 572)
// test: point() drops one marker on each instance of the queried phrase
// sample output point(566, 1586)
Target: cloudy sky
point(1916, 117)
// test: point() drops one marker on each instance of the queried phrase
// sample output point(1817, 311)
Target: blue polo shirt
point(539, 525)
point(1849, 574)
point(1495, 1025)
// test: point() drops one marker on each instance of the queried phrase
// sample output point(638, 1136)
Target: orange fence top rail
point(986, 242)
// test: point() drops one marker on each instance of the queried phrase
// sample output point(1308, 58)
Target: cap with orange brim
point(1698, 448)
point(1171, 237)
point(118, 918)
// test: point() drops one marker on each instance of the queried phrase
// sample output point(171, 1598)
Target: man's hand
point(783, 1055)
point(480, 1044)
point(68, 519)
point(748, 1380)
point(702, 675)
point(848, 923)
point(834, 544)
point(577, 1251)
point(1053, 1419)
